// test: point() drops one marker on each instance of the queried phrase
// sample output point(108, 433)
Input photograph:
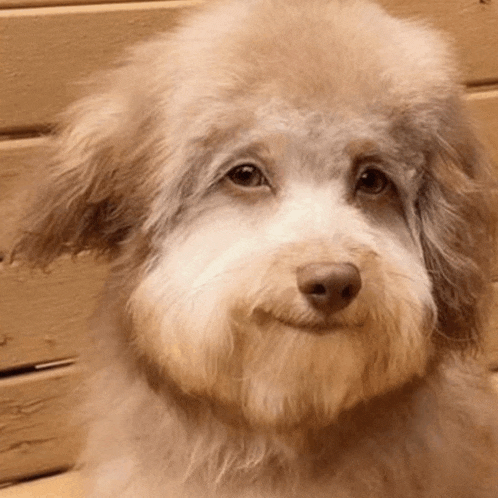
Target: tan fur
point(214, 375)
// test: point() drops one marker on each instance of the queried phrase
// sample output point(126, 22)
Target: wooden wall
point(46, 48)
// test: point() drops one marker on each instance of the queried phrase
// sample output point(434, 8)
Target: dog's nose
point(329, 287)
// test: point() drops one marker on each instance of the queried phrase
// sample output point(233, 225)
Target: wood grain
point(491, 335)
point(23, 4)
point(19, 161)
point(46, 52)
point(36, 434)
point(44, 315)
point(67, 485)
point(483, 107)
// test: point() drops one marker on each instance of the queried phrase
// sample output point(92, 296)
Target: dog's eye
point(372, 181)
point(247, 175)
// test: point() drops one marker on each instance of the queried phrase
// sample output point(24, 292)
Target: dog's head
point(294, 198)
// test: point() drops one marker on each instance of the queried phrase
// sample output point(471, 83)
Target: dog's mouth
point(313, 325)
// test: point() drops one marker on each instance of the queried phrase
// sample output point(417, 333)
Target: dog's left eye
point(247, 175)
point(372, 181)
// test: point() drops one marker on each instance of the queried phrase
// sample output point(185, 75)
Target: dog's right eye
point(247, 175)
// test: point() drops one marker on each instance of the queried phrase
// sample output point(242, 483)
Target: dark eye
point(247, 175)
point(372, 181)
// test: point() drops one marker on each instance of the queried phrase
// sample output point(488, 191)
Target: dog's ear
point(458, 224)
point(94, 188)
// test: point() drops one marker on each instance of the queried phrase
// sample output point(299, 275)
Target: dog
point(298, 220)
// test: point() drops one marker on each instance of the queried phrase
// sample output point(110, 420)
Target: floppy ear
point(96, 184)
point(458, 230)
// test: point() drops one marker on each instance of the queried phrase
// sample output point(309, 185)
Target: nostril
point(329, 287)
point(347, 292)
point(318, 289)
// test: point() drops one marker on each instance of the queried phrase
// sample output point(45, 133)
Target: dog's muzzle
point(329, 287)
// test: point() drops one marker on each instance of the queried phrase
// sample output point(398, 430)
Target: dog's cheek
point(181, 317)
point(401, 322)
point(181, 334)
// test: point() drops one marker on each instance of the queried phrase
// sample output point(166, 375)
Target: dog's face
point(295, 284)
point(296, 217)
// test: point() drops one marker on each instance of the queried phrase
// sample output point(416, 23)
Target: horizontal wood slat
point(490, 343)
point(18, 161)
point(68, 485)
point(484, 108)
point(471, 24)
point(36, 432)
point(43, 50)
point(23, 4)
point(44, 315)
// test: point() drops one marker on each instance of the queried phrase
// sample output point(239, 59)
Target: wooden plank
point(472, 24)
point(44, 315)
point(43, 49)
point(491, 335)
point(18, 161)
point(36, 432)
point(67, 485)
point(484, 109)
point(22, 4)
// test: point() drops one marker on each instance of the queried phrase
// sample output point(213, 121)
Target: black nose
point(329, 287)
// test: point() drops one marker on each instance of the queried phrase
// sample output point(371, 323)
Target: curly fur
point(212, 374)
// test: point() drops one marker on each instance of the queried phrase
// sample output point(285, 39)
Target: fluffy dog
point(293, 202)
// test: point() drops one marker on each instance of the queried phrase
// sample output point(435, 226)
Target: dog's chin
point(303, 391)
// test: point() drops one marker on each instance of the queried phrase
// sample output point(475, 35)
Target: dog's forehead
point(320, 128)
point(310, 138)
point(328, 142)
